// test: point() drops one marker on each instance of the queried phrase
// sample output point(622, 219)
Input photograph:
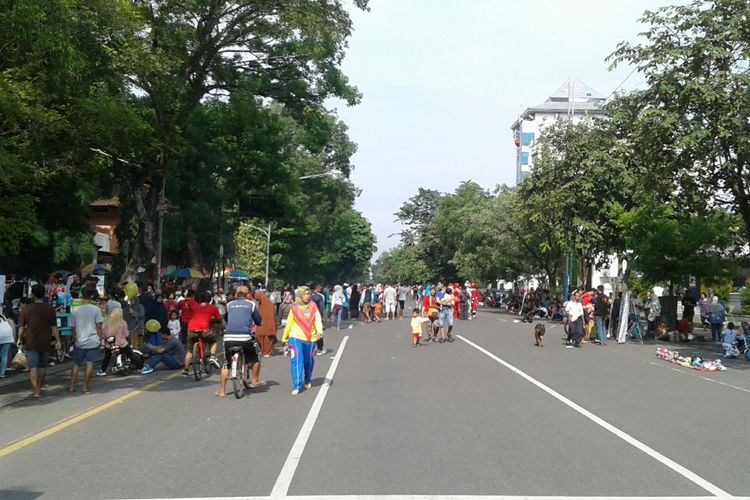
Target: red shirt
point(202, 314)
point(185, 307)
point(429, 300)
point(171, 305)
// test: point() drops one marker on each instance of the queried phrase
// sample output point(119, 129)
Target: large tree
point(695, 111)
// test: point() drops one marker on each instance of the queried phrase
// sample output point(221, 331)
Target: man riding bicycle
point(204, 323)
point(242, 317)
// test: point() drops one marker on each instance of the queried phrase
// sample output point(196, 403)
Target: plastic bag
point(19, 361)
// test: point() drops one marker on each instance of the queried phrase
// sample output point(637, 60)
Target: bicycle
point(239, 372)
point(201, 363)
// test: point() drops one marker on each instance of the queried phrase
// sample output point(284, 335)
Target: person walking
point(320, 301)
point(601, 313)
point(703, 306)
point(37, 324)
point(304, 327)
point(266, 331)
point(87, 332)
point(574, 311)
point(338, 305)
point(716, 317)
point(354, 297)
point(7, 339)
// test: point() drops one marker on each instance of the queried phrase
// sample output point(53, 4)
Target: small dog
point(539, 332)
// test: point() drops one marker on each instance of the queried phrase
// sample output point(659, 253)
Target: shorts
point(37, 359)
point(366, 307)
point(208, 336)
point(401, 304)
point(390, 307)
point(250, 349)
point(416, 335)
point(446, 316)
point(82, 356)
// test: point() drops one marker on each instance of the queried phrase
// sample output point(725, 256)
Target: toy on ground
point(694, 362)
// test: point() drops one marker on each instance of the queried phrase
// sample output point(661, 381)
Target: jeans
point(338, 314)
point(716, 330)
point(4, 351)
point(636, 331)
point(600, 330)
point(169, 360)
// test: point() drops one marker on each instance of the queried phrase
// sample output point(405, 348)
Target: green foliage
point(221, 102)
point(250, 249)
point(692, 120)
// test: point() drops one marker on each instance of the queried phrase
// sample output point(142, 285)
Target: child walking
point(416, 326)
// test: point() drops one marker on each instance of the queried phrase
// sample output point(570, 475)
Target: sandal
point(220, 395)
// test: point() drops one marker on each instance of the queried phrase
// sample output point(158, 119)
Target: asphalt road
point(488, 414)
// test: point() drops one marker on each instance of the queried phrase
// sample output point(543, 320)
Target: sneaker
point(320, 353)
point(214, 361)
point(100, 373)
point(146, 370)
point(185, 372)
point(295, 392)
point(308, 386)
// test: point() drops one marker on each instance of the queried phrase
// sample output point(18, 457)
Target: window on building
point(524, 158)
point(527, 138)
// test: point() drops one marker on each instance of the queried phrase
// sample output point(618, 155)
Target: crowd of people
point(156, 330)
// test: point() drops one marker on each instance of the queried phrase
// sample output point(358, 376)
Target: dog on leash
point(539, 332)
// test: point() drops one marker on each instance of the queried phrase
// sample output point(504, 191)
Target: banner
point(624, 317)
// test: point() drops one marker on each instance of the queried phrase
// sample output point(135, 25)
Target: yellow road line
point(78, 418)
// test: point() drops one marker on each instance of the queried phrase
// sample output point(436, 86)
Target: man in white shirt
point(220, 301)
point(574, 311)
point(389, 298)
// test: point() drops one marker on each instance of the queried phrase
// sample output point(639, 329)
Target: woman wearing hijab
point(354, 302)
point(287, 300)
point(716, 316)
point(338, 305)
point(304, 326)
point(266, 332)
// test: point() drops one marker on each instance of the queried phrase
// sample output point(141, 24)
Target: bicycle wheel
point(246, 375)
point(207, 366)
point(197, 361)
point(238, 368)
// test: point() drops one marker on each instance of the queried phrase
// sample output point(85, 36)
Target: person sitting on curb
point(729, 341)
point(171, 352)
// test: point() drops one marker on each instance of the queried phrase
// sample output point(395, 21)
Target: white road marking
point(685, 372)
point(284, 480)
point(446, 497)
point(683, 471)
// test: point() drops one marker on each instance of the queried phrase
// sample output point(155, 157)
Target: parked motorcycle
point(120, 364)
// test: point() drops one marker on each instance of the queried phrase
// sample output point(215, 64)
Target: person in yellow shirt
point(304, 327)
point(416, 326)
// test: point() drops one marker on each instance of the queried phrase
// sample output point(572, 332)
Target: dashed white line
point(284, 480)
point(684, 372)
point(683, 471)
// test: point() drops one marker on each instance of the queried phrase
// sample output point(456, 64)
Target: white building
point(585, 101)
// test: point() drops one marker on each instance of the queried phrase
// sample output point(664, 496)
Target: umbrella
point(185, 272)
point(95, 269)
point(169, 271)
point(237, 274)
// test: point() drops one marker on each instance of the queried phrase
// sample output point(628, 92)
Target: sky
point(443, 80)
